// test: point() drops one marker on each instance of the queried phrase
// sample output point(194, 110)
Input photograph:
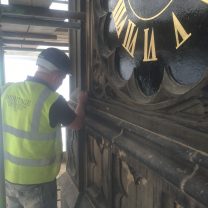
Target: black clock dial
point(153, 50)
point(149, 77)
point(124, 64)
point(167, 31)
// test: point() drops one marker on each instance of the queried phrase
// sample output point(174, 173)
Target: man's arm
point(78, 122)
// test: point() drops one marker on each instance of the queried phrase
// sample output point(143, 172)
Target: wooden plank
point(39, 22)
point(29, 11)
point(28, 35)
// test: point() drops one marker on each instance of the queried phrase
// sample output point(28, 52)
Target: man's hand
point(83, 97)
point(80, 111)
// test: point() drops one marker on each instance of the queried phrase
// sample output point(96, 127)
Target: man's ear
point(54, 75)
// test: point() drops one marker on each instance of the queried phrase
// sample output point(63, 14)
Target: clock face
point(157, 37)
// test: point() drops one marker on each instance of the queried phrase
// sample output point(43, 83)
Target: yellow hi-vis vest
point(32, 149)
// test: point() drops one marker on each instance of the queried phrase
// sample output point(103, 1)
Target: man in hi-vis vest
point(32, 116)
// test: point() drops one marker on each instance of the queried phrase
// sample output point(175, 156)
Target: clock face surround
point(168, 35)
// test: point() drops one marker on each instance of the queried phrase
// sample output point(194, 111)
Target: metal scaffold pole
point(2, 178)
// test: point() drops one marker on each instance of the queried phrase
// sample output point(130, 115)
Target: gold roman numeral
point(118, 16)
point(179, 30)
point(149, 50)
point(130, 38)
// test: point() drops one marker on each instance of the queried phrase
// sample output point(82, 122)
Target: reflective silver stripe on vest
point(34, 133)
point(31, 162)
point(37, 111)
point(28, 135)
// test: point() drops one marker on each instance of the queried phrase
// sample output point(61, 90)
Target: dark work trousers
point(31, 196)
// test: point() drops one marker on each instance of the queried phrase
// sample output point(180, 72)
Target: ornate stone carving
point(72, 150)
point(157, 84)
point(98, 167)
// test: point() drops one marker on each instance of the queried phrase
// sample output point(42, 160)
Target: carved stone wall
point(148, 102)
point(145, 143)
point(147, 169)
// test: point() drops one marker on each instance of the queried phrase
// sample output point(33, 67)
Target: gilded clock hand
point(205, 1)
point(154, 16)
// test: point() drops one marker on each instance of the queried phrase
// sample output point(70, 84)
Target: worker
point(33, 113)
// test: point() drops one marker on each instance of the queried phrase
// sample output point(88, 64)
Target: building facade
point(145, 142)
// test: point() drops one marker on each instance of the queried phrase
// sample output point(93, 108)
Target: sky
point(17, 68)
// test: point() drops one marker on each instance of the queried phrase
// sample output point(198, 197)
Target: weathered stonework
point(145, 143)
